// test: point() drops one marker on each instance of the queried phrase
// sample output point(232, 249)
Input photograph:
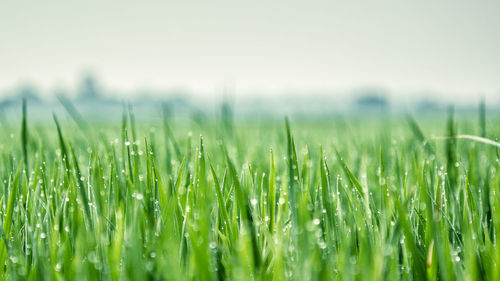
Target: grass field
point(336, 199)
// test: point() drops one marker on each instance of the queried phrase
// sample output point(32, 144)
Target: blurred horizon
point(91, 101)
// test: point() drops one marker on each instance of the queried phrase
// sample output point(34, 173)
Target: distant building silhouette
point(29, 93)
point(25, 91)
point(89, 89)
point(372, 99)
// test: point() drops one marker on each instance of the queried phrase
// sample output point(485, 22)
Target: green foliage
point(328, 200)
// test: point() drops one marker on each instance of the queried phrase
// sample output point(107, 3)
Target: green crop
point(318, 199)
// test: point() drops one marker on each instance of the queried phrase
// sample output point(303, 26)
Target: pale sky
point(450, 46)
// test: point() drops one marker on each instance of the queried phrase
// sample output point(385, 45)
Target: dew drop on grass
point(14, 259)
point(253, 201)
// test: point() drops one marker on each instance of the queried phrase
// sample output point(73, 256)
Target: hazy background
point(444, 51)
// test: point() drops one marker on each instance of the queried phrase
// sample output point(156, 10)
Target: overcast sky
point(450, 46)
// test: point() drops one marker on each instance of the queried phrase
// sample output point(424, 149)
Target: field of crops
point(389, 198)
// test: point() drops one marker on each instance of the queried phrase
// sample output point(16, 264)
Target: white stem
point(470, 137)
